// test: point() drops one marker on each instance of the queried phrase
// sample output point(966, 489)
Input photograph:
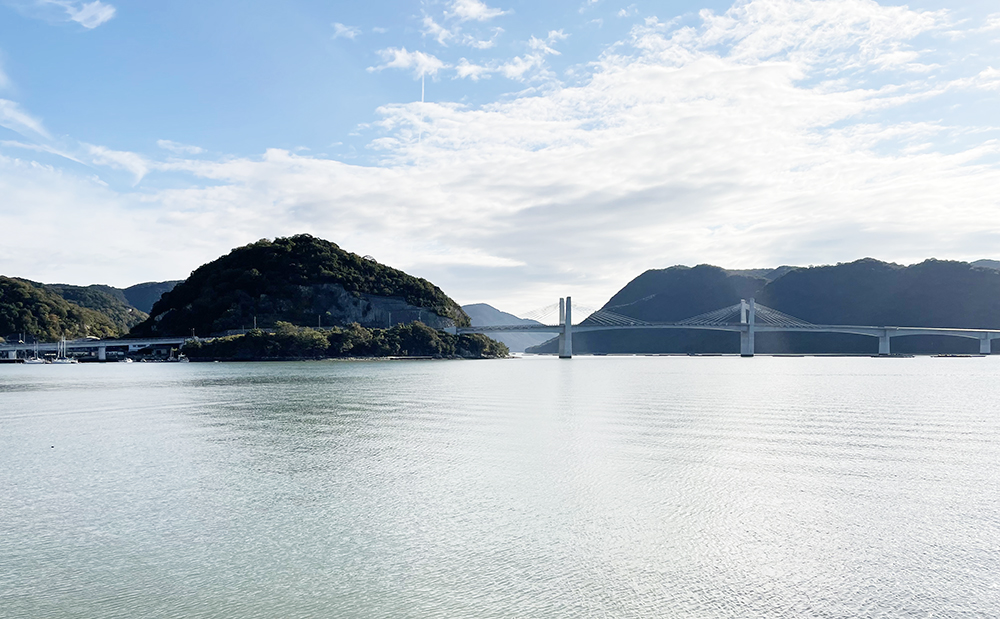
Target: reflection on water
point(625, 487)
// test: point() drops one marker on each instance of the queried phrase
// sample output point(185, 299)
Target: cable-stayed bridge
point(746, 318)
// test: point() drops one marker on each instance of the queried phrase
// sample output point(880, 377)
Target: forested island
point(291, 298)
point(302, 280)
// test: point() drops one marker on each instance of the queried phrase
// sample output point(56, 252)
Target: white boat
point(61, 357)
point(35, 360)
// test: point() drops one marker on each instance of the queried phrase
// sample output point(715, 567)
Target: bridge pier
point(102, 353)
point(12, 354)
point(985, 346)
point(883, 343)
point(566, 321)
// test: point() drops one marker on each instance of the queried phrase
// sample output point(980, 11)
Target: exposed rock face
point(325, 305)
point(338, 305)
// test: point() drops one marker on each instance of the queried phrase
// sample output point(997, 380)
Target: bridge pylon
point(566, 322)
point(748, 317)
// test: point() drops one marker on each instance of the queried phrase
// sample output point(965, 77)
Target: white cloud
point(992, 22)
point(41, 148)
point(90, 14)
point(398, 58)
point(443, 35)
point(436, 31)
point(178, 148)
point(736, 141)
point(846, 33)
point(475, 43)
point(347, 32)
point(465, 69)
point(14, 118)
point(531, 66)
point(473, 10)
point(133, 163)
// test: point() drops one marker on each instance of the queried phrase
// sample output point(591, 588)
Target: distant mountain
point(987, 264)
point(302, 280)
point(143, 296)
point(482, 314)
point(934, 293)
point(39, 312)
point(681, 292)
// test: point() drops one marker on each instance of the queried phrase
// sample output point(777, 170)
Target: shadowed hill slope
point(143, 296)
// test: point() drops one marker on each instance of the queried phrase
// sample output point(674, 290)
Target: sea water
point(532, 487)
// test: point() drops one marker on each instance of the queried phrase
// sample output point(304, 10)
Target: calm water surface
point(598, 487)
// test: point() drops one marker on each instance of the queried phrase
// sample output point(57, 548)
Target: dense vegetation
point(38, 312)
point(288, 279)
point(104, 299)
point(934, 293)
point(290, 342)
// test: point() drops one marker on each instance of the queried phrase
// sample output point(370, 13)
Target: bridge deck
point(874, 331)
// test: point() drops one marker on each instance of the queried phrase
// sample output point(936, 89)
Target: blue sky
point(561, 147)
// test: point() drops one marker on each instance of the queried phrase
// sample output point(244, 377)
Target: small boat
point(35, 360)
point(61, 357)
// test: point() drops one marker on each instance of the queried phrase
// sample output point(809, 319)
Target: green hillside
point(302, 280)
point(38, 312)
point(104, 299)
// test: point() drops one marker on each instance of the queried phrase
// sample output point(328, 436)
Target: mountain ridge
point(932, 293)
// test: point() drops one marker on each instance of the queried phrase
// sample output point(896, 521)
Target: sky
point(511, 152)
